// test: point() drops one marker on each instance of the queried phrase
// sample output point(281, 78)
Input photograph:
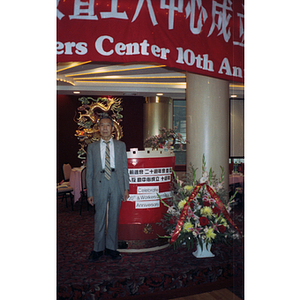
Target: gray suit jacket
point(94, 167)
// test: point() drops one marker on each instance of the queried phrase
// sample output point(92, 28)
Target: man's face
point(106, 129)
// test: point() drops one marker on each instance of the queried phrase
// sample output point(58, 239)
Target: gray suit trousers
point(111, 194)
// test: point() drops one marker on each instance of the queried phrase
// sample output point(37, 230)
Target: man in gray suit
point(107, 182)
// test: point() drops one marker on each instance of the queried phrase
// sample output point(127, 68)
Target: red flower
point(216, 210)
point(203, 221)
point(192, 204)
point(206, 203)
point(221, 228)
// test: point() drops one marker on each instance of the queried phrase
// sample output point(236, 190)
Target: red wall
point(67, 143)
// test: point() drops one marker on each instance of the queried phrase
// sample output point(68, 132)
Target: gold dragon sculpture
point(89, 113)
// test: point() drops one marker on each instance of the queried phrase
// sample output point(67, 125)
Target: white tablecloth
point(236, 178)
point(75, 182)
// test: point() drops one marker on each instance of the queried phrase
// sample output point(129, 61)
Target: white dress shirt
point(112, 153)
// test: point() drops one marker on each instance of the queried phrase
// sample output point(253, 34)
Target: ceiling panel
point(124, 79)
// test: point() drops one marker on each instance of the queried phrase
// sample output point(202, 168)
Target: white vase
point(205, 252)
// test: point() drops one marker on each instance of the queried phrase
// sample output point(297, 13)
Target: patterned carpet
point(163, 274)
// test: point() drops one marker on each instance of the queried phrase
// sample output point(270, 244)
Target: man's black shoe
point(122, 245)
point(113, 253)
point(94, 256)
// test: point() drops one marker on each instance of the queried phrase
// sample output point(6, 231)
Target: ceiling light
point(159, 94)
point(233, 96)
point(76, 92)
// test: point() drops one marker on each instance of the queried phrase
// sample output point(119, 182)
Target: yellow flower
point(206, 211)
point(188, 188)
point(210, 234)
point(181, 204)
point(223, 222)
point(188, 226)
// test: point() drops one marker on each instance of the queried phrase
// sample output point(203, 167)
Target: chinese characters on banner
point(147, 196)
point(199, 36)
point(150, 175)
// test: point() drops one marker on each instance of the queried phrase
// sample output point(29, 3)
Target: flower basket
point(198, 211)
point(168, 139)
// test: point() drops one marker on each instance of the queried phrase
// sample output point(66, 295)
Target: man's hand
point(126, 195)
point(90, 201)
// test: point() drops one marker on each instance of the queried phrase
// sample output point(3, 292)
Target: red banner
point(184, 213)
point(198, 36)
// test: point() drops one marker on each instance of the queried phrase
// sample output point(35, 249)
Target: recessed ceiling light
point(233, 96)
point(159, 94)
point(76, 92)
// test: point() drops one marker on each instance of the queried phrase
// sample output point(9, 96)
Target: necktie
point(107, 171)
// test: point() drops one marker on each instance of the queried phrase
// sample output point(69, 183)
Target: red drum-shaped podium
point(150, 173)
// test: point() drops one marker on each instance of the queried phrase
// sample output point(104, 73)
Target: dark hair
point(105, 116)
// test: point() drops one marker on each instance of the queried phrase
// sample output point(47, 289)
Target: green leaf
point(232, 197)
point(210, 175)
point(194, 175)
point(223, 174)
point(175, 176)
point(161, 200)
point(203, 163)
point(164, 237)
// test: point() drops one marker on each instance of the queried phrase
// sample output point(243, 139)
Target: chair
point(65, 190)
point(66, 172)
point(83, 191)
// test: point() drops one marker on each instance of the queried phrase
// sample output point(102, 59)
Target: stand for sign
point(150, 173)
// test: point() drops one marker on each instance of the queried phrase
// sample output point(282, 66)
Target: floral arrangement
point(204, 221)
point(166, 139)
